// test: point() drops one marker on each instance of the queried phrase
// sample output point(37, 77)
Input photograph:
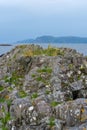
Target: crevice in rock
point(75, 94)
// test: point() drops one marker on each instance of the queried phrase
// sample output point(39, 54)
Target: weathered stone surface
point(73, 112)
point(78, 85)
point(43, 108)
point(43, 92)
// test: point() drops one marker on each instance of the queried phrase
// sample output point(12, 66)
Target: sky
point(25, 19)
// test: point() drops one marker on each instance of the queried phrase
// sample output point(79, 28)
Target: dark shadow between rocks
point(75, 94)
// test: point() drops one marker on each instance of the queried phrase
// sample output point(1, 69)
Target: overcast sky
point(23, 19)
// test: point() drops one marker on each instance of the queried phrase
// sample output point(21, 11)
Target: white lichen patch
point(69, 74)
point(20, 105)
point(79, 72)
point(31, 108)
point(31, 120)
point(47, 86)
point(81, 67)
point(34, 118)
point(86, 81)
point(83, 77)
point(77, 112)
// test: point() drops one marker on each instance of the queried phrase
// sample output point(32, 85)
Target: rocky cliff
point(43, 89)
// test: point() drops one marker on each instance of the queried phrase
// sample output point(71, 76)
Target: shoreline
point(82, 48)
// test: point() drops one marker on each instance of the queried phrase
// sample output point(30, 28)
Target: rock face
point(43, 89)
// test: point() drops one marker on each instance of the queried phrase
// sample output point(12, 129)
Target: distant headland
point(52, 39)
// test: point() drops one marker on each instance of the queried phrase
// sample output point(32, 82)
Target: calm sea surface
point(80, 47)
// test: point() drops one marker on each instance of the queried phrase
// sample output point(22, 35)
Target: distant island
point(52, 39)
point(5, 44)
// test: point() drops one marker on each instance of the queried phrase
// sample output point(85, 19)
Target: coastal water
point(80, 47)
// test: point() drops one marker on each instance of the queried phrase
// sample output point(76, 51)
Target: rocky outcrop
point(43, 89)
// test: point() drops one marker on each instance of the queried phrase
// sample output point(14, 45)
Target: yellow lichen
point(86, 100)
point(84, 118)
point(84, 128)
point(82, 110)
point(7, 97)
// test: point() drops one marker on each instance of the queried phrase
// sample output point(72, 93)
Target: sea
point(80, 47)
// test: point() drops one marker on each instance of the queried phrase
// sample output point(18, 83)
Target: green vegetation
point(78, 77)
point(4, 120)
point(51, 121)
point(47, 92)
point(1, 88)
point(39, 78)
point(43, 74)
point(5, 99)
point(33, 75)
point(2, 100)
point(54, 103)
point(14, 79)
point(4, 128)
point(50, 51)
point(45, 70)
point(34, 95)
point(64, 85)
point(69, 98)
point(71, 79)
point(9, 102)
point(71, 66)
point(82, 69)
point(10, 89)
point(22, 94)
point(6, 114)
